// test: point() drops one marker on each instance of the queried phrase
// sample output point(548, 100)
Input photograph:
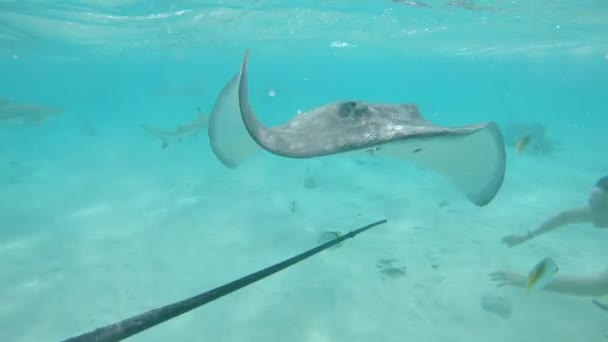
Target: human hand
point(514, 240)
point(502, 278)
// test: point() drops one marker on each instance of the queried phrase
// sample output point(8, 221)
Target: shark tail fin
point(165, 137)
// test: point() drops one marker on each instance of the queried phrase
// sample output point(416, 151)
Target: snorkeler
point(593, 286)
point(596, 212)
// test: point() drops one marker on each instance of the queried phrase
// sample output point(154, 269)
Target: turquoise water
point(99, 223)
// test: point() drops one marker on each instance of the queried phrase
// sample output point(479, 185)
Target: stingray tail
point(165, 137)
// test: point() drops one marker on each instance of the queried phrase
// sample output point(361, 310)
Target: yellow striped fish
point(521, 144)
point(542, 274)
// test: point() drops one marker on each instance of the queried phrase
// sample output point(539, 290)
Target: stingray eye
point(360, 110)
point(347, 108)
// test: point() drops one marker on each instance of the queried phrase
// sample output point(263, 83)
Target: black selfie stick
point(134, 325)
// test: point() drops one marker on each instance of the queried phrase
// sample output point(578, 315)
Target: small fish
point(411, 3)
point(292, 206)
point(327, 236)
point(521, 144)
point(373, 150)
point(542, 274)
point(386, 262)
point(309, 182)
point(394, 272)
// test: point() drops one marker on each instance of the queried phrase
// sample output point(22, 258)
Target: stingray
point(471, 157)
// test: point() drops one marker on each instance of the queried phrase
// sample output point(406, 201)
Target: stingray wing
point(473, 162)
point(228, 137)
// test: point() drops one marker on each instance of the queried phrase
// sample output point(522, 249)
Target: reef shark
point(26, 113)
point(191, 128)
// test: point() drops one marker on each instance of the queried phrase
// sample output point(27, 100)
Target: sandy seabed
point(114, 229)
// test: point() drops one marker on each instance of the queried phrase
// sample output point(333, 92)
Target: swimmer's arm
point(584, 287)
point(566, 217)
point(575, 286)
